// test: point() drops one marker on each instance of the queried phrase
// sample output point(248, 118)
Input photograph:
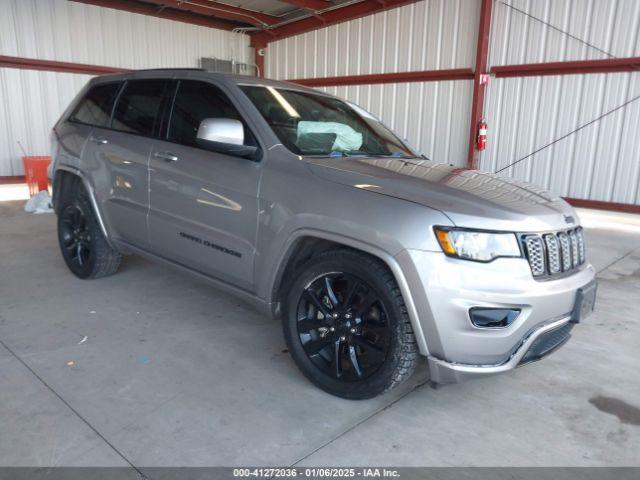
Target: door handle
point(98, 140)
point(167, 156)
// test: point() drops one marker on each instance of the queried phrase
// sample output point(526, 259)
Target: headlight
point(477, 245)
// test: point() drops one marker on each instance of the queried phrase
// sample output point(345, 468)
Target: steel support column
point(482, 53)
point(259, 51)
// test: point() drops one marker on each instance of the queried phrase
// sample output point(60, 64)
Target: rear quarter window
point(95, 108)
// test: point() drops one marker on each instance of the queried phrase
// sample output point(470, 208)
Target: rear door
point(92, 112)
point(203, 205)
point(119, 156)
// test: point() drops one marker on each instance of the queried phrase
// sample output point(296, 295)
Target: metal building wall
point(427, 35)
point(599, 162)
point(609, 26)
point(432, 116)
point(31, 101)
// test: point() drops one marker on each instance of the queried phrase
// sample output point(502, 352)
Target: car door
point(121, 155)
point(92, 114)
point(203, 204)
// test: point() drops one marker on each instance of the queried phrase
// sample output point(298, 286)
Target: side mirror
point(224, 135)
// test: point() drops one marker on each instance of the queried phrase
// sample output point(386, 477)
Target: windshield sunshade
point(316, 124)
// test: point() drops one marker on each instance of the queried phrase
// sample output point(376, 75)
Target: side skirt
point(256, 302)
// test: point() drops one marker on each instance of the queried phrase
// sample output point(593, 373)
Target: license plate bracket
point(585, 302)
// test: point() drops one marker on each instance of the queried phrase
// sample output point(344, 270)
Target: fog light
point(493, 317)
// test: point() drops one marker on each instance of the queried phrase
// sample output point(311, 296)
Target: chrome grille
point(573, 238)
point(565, 249)
point(580, 236)
point(535, 253)
point(555, 253)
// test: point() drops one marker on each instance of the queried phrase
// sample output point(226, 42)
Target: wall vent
point(212, 64)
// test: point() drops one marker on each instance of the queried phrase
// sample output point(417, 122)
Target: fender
point(387, 258)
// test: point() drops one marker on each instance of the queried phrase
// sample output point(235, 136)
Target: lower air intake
point(547, 343)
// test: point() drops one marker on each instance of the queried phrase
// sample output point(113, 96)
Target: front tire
point(347, 327)
point(84, 248)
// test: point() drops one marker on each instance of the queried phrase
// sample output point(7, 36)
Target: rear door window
point(138, 107)
point(95, 108)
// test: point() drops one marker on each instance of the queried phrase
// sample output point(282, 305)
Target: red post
point(482, 53)
point(259, 51)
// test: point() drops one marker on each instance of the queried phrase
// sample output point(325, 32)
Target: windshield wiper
point(389, 155)
point(359, 153)
point(338, 153)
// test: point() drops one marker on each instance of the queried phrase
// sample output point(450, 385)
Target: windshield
point(314, 124)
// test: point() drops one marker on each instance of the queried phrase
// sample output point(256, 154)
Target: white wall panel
point(427, 35)
point(608, 25)
point(30, 101)
point(76, 32)
point(432, 116)
point(599, 162)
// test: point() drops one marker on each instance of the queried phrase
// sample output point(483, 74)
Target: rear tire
point(84, 248)
point(347, 327)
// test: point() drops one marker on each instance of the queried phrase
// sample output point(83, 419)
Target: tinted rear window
point(138, 107)
point(95, 108)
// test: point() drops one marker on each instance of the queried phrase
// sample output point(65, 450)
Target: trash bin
point(35, 173)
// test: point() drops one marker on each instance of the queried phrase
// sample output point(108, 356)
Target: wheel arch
point(305, 244)
point(65, 180)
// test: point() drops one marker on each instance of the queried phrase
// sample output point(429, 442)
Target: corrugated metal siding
point(600, 162)
point(432, 116)
point(81, 33)
point(607, 25)
point(427, 35)
point(31, 102)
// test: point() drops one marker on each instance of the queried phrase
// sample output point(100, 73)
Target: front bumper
point(444, 289)
point(444, 372)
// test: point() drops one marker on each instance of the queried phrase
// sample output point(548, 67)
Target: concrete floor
point(173, 373)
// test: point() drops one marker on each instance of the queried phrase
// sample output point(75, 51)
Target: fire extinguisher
point(482, 135)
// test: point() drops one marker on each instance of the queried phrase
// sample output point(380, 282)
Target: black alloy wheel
point(346, 325)
point(75, 237)
point(84, 247)
point(343, 326)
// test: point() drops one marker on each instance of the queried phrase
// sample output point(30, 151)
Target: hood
point(469, 198)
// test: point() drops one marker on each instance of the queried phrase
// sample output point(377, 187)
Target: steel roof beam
point(55, 66)
point(607, 65)
point(217, 9)
point(325, 19)
point(168, 14)
point(313, 5)
point(394, 77)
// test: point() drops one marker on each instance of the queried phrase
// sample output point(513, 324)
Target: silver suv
point(310, 208)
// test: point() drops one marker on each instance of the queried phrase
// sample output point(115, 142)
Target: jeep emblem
point(569, 219)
